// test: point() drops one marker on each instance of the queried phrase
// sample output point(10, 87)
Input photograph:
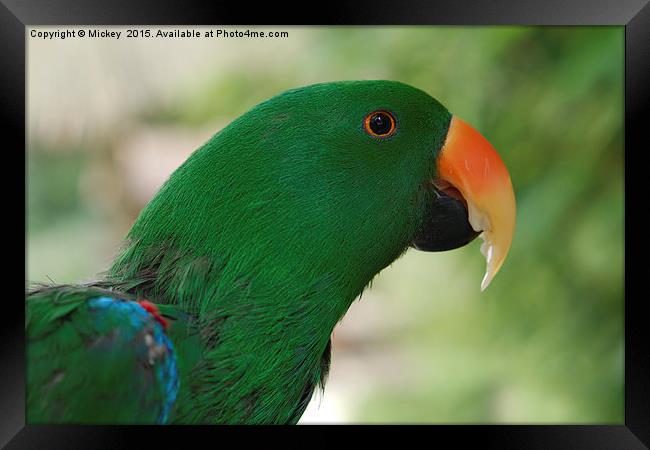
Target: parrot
point(220, 304)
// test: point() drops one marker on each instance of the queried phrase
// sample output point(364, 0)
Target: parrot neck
point(265, 332)
point(206, 285)
point(266, 278)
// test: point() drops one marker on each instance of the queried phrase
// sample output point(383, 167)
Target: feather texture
point(253, 250)
point(84, 340)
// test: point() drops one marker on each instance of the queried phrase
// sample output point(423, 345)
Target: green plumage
point(253, 249)
point(75, 356)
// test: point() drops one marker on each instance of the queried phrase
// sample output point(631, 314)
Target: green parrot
point(220, 306)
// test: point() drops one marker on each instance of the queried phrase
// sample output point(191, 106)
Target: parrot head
point(268, 232)
point(338, 178)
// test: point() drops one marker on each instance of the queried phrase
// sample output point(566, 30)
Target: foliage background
point(109, 120)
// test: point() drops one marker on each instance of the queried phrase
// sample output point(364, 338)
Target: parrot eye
point(379, 124)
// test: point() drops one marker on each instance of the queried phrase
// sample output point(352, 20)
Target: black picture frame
point(634, 15)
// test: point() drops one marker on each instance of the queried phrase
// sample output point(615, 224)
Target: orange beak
point(471, 165)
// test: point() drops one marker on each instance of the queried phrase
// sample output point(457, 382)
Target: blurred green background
point(109, 120)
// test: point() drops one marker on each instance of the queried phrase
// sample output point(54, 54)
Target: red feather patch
point(152, 309)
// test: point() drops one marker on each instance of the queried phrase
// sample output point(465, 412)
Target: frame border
point(16, 15)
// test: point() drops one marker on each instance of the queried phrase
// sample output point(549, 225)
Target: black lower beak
point(445, 225)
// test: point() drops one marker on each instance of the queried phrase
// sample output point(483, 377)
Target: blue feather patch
point(138, 324)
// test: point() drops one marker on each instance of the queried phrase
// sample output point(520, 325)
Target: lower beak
point(471, 173)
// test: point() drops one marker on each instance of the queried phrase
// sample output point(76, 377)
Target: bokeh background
point(109, 120)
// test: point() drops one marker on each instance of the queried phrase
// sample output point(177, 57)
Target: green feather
point(260, 241)
point(78, 371)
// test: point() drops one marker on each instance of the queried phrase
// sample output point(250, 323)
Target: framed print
point(419, 216)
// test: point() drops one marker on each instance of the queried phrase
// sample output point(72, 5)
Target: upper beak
point(472, 166)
